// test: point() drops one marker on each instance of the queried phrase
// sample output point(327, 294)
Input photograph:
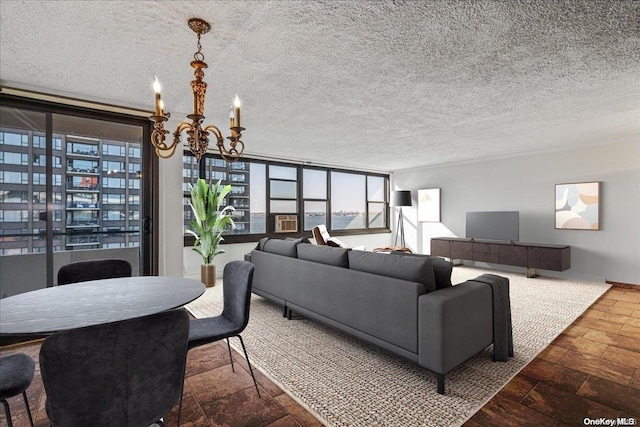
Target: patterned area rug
point(345, 382)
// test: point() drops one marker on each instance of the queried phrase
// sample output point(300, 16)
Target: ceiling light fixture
point(197, 136)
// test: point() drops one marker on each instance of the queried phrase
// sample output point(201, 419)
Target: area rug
point(345, 382)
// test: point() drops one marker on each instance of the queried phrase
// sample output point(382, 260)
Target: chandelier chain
point(199, 56)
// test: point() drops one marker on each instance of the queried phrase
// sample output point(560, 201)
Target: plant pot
point(208, 275)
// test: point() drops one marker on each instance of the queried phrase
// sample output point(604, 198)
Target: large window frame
point(147, 180)
point(192, 170)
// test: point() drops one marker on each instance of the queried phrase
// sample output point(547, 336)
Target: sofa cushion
point(279, 247)
point(441, 269)
point(414, 269)
point(324, 255)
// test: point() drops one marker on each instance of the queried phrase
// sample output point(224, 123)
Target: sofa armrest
point(454, 324)
point(442, 270)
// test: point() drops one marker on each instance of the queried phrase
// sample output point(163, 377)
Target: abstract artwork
point(578, 206)
point(429, 205)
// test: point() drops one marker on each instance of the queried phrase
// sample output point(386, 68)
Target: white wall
point(170, 214)
point(527, 184)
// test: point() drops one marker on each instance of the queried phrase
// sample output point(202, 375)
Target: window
point(314, 192)
point(113, 199)
point(82, 166)
point(113, 150)
point(17, 139)
point(376, 206)
point(9, 158)
point(82, 148)
point(13, 215)
point(348, 201)
point(277, 198)
point(134, 152)
point(13, 196)
point(8, 177)
point(113, 182)
point(76, 150)
point(112, 215)
point(111, 167)
point(41, 160)
point(283, 189)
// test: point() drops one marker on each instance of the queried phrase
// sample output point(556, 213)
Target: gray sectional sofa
point(404, 304)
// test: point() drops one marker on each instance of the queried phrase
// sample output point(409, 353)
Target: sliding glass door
point(71, 189)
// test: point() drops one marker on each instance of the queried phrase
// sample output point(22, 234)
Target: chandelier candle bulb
point(159, 104)
point(236, 110)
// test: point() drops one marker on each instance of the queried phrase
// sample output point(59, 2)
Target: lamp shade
point(400, 198)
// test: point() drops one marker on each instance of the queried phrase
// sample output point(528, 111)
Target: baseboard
point(623, 285)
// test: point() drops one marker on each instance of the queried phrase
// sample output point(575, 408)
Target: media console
point(533, 256)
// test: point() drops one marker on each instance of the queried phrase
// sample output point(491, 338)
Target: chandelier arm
point(214, 130)
point(232, 154)
point(158, 137)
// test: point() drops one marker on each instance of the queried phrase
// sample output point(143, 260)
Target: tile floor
point(591, 370)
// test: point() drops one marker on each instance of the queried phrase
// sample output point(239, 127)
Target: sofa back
point(412, 269)
point(432, 272)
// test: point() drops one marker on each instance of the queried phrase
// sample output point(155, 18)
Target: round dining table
point(48, 310)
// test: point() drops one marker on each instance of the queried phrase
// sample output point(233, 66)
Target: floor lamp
point(399, 199)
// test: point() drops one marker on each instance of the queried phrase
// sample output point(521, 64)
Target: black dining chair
point(16, 374)
point(236, 287)
point(128, 373)
point(96, 269)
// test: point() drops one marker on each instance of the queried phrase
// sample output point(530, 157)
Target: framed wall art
point(578, 206)
point(429, 205)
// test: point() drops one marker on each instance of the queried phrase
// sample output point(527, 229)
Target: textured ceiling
point(377, 85)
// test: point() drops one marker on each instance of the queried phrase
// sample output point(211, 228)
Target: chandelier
point(197, 136)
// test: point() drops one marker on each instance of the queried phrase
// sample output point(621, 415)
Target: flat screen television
point(493, 225)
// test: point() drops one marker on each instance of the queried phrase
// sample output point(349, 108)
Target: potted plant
point(208, 223)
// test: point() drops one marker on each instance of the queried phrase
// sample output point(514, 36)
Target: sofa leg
point(440, 378)
point(289, 314)
point(284, 311)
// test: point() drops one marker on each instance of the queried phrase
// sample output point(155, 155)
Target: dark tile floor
point(591, 370)
point(214, 395)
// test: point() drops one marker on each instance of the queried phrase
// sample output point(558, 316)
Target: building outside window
point(94, 174)
point(280, 199)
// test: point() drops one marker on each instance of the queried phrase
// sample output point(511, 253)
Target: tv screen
point(493, 225)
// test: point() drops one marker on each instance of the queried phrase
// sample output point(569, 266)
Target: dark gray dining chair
point(16, 374)
point(236, 288)
point(96, 269)
point(128, 373)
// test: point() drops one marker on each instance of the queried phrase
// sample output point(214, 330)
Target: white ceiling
point(376, 85)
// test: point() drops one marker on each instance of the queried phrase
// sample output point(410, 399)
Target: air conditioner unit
point(286, 223)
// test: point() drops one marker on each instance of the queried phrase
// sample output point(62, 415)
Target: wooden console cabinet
point(532, 256)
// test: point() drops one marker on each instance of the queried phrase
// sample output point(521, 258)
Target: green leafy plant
point(209, 220)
